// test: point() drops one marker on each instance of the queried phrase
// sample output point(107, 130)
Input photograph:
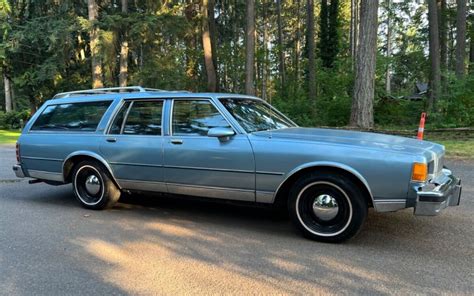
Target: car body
point(217, 145)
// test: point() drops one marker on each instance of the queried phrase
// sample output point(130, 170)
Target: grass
point(8, 136)
point(458, 148)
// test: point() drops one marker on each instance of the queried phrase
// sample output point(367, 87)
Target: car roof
point(76, 98)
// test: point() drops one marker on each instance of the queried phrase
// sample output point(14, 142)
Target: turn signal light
point(420, 172)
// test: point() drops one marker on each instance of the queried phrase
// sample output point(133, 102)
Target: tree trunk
point(443, 35)
point(8, 93)
point(281, 53)
point(250, 48)
point(94, 45)
point(471, 49)
point(451, 65)
point(265, 51)
point(207, 46)
point(388, 88)
point(310, 47)
point(461, 38)
point(354, 27)
point(362, 103)
point(123, 76)
point(213, 36)
point(435, 77)
point(297, 43)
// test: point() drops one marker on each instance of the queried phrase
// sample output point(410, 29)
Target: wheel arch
point(281, 194)
point(74, 158)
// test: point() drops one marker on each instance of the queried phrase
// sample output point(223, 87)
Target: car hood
point(356, 138)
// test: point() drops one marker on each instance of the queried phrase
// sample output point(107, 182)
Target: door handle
point(176, 141)
point(111, 140)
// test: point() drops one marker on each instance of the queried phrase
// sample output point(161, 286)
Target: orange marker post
point(421, 129)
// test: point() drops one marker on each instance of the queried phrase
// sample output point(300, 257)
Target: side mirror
point(221, 132)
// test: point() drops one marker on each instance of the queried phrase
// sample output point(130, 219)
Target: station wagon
point(227, 146)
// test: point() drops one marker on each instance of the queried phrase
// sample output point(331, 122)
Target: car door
point(133, 145)
point(199, 165)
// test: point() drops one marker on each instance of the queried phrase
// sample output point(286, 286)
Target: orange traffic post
point(421, 129)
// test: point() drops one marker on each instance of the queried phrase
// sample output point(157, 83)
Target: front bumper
point(446, 193)
point(18, 171)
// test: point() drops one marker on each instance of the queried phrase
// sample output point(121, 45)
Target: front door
point(199, 165)
point(133, 145)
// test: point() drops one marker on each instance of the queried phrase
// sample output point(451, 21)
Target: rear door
point(198, 165)
point(133, 145)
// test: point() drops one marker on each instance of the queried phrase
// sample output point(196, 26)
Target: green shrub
point(13, 119)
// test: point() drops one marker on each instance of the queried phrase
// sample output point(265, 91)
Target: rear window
point(81, 117)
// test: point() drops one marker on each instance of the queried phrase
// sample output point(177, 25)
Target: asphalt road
point(49, 245)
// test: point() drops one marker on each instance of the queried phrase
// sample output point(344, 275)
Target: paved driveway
point(49, 245)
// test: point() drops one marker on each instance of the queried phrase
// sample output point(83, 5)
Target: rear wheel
point(93, 186)
point(327, 207)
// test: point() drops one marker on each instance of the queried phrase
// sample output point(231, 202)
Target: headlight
point(419, 172)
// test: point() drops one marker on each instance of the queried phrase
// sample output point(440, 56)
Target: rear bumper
point(446, 193)
point(18, 171)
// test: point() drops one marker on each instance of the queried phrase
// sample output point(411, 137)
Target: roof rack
point(106, 90)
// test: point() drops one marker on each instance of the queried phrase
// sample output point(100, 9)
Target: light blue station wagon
point(227, 146)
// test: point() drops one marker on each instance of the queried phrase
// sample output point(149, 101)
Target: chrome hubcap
point(325, 207)
point(92, 185)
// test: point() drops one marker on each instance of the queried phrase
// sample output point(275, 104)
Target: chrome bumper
point(18, 171)
point(446, 193)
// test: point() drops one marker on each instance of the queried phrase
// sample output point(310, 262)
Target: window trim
point(254, 99)
point(132, 101)
point(170, 123)
point(46, 106)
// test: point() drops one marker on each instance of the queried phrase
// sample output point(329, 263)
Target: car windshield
point(255, 115)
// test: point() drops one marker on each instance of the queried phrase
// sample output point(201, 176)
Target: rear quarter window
point(80, 117)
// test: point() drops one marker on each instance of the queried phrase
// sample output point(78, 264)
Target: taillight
point(18, 152)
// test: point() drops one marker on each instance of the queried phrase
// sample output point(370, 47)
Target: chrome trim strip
point(210, 187)
point(43, 175)
point(209, 99)
point(127, 112)
point(143, 185)
point(206, 169)
point(41, 158)
point(212, 192)
point(264, 196)
point(270, 173)
point(219, 98)
point(390, 205)
point(136, 164)
point(125, 117)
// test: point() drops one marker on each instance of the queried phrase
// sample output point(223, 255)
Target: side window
point(116, 127)
point(81, 117)
point(144, 118)
point(195, 117)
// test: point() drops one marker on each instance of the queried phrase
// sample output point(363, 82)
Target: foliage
point(14, 119)
point(44, 48)
point(456, 108)
point(329, 35)
point(334, 98)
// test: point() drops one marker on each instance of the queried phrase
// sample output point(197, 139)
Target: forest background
point(360, 63)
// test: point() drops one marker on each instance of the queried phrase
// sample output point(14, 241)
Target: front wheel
point(93, 186)
point(327, 207)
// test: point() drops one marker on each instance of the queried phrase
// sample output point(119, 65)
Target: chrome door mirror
point(220, 132)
